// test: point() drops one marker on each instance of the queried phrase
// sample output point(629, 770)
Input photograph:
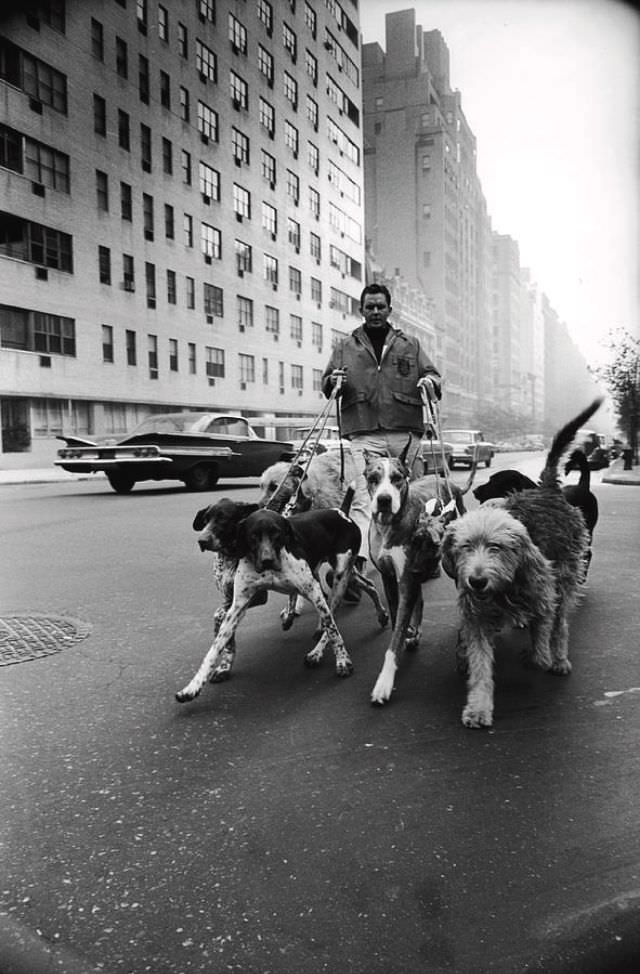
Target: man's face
point(375, 310)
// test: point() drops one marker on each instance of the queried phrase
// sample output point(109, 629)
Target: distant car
point(432, 448)
point(196, 448)
point(330, 439)
point(469, 445)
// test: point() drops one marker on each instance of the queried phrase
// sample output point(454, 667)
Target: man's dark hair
point(376, 289)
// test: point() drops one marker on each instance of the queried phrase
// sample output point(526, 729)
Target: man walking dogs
point(382, 370)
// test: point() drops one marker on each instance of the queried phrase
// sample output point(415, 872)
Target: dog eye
point(494, 548)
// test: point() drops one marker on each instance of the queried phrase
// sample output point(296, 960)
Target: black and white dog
point(283, 555)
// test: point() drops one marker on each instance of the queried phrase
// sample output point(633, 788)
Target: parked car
point(196, 448)
point(330, 439)
point(469, 445)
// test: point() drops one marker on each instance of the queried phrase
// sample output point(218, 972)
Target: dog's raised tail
point(563, 439)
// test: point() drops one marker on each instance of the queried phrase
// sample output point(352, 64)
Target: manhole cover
point(25, 637)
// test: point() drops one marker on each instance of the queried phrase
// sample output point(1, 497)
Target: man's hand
point(337, 377)
point(431, 386)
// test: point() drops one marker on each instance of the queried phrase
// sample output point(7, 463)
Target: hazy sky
point(550, 89)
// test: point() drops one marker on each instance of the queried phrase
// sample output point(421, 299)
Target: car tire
point(200, 477)
point(122, 483)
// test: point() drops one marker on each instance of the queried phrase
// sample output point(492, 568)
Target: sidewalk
point(616, 474)
point(46, 475)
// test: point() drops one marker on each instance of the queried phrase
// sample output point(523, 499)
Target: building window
point(310, 19)
point(104, 265)
point(270, 219)
point(314, 203)
point(293, 233)
point(240, 146)
point(124, 134)
point(316, 335)
point(312, 111)
point(165, 90)
point(163, 23)
point(207, 123)
point(187, 227)
point(41, 163)
point(145, 148)
point(141, 15)
point(272, 320)
point(316, 291)
point(268, 164)
point(190, 291)
point(35, 243)
point(130, 345)
point(209, 181)
point(291, 139)
point(241, 202)
point(245, 313)
point(213, 300)
point(102, 191)
point(214, 365)
point(290, 88)
point(143, 79)
point(239, 91)
point(185, 112)
point(185, 163)
point(289, 42)
point(315, 246)
point(167, 157)
point(150, 281)
point(52, 334)
point(173, 354)
point(107, 343)
point(147, 216)
point(191, 357)
point(122, 61)
point(206, 63)
point(152, 352)
point(271, 270)
point(169, 222)
point(247, 365)
point(311, 67)
point(172, 291)
point(265, 15)
point(210, 242)
point(296, 378)
point(207, 10)
point(295, 327)
point(313, 157)
point(244, 258)
point(237, 35)
point(99, 115)
point(128, 273)
point(125, 202)
point(265, 64)
point(293, 187)
point(426, 210)
point(97, 39)
point(183, 41)
point(267, 117)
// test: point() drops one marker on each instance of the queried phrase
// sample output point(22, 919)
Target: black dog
point(280, 554)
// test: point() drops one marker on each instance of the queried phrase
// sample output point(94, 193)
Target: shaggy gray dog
point(517, 561)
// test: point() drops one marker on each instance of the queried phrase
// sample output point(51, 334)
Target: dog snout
point(478, 583)
point(383, 502)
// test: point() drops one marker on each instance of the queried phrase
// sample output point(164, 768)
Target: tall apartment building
point(425, 213)
point(181, 209)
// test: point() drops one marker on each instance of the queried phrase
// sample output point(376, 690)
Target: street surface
point(280, 824)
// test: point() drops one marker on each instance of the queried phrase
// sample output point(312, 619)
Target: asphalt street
point(280, 823)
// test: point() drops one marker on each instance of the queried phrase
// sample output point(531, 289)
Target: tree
point(622, 377)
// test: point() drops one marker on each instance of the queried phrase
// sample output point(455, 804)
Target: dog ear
point(433, 507)
point(449, 512)
point(448, 554)
point(201, 519)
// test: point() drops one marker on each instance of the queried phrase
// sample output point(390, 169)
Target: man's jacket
point(379, 396)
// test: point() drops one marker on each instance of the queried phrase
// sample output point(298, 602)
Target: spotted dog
point(405, 537)
point(283, 554)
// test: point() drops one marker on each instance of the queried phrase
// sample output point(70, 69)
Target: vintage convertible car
point(196, 448)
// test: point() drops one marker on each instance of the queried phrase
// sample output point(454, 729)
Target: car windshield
point(458, 436)
point(164, 424)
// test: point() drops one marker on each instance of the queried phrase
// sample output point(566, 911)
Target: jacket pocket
point(409, 400)
point(351, 398)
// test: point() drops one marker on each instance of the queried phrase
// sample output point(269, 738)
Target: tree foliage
point(622, 378)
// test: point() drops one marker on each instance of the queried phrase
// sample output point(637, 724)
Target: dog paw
point(344, 667)
point(287, 619)
point(381, 693)
point(474, 717)
point(184, 696)
point(561, 666)
point(412, 639)
point(313, 657)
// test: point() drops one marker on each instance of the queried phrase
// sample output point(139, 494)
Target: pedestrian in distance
point(381, 372)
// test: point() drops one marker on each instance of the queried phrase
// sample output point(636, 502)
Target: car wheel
point(122, 483)
point(487, 462)
point(200, 477)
